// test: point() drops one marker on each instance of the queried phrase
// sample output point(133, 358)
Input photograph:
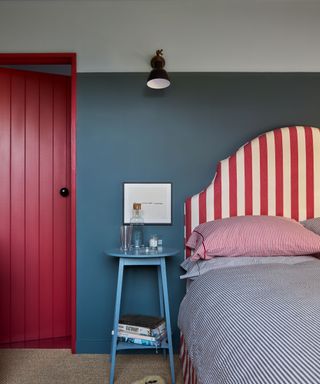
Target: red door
point(34, 217)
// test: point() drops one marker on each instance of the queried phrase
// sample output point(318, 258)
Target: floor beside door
point(26, 366)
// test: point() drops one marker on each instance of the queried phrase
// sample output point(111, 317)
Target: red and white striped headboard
point(275, 174)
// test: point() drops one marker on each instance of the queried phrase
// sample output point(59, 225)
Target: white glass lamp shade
point(158, 79)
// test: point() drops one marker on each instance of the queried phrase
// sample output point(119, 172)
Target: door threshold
point(52, 343)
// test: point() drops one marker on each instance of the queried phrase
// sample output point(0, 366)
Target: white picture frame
point(155, 199)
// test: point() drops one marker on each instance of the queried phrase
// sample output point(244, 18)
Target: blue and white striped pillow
point(312, 224)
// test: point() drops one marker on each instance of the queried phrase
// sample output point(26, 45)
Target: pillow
point(252, 236)
point(196, 268)
point(312, 224)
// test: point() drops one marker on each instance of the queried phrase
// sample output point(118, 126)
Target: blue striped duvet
point(254, 324)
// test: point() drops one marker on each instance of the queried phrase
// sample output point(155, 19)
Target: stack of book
point(143, 330)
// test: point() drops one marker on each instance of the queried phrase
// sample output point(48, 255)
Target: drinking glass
point(125, 237)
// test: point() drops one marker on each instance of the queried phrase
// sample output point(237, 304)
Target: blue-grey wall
point(126, 132)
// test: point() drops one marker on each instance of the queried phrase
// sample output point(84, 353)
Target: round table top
point(143, 252)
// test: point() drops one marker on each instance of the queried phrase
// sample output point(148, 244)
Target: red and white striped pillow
point(252, 236)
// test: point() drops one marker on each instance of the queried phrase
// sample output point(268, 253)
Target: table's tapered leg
point(167, 314)
point(161, 298)
point(116, 320)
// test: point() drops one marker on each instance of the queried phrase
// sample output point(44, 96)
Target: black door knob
point(64, 192)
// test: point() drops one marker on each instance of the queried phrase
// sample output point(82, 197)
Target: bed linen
point(312, 224)
point(196, 268)
point(254, 324)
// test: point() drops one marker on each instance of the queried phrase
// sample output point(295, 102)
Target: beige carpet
point(52, 366)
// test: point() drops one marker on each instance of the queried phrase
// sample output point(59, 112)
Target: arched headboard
point(275, 174)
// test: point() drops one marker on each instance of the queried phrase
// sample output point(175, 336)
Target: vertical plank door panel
point(60, 203)
point(5, 134)
point(46, 208)
point(17, 207)
point(32, 210)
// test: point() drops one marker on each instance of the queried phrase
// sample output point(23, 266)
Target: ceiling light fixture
point(158, 78)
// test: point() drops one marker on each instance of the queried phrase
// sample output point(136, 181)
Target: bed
point(256, 323)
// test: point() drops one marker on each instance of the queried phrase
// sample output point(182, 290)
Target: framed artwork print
point(155, 199)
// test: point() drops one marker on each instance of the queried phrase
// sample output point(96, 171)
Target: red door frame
point(71, 59)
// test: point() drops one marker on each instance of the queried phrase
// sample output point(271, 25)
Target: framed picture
point(155, 199)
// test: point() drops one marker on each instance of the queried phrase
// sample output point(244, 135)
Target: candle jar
point(153, 242)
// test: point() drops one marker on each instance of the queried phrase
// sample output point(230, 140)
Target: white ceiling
point(196, 35)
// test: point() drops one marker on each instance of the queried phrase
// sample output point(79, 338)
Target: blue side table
point(141, 257)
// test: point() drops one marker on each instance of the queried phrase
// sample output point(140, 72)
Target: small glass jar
point(159, 248)
point(153, 242)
